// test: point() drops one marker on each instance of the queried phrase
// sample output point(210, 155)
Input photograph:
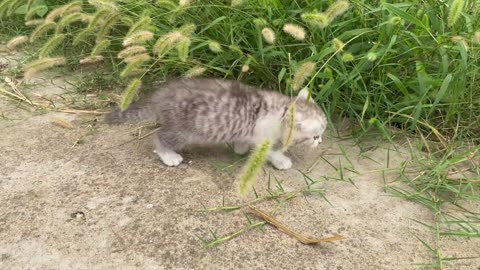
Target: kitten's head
point(311, 121)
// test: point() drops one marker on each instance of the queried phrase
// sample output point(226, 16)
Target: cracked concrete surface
point(94, 203)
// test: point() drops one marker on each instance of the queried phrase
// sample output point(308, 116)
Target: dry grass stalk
point(61, 122)
point(282, 227)
point(16, 93)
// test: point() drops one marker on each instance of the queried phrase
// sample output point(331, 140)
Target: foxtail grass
point(215, 47)
point(130, 93)
point(91, 59)
point(51, 45)
point(289, 127)
point(129, 51)
point(454, 11)
point(294, 30)
point(165, 43)
point(42, 64)
point(141, 25)
point(301, 74)
point(136, 38)
point(16, 41)
point(41, 30)
point(253, 165)
point(194, 72)
point(100, 47)
point(268, 35)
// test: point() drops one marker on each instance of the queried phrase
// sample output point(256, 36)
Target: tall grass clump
point(418, 59)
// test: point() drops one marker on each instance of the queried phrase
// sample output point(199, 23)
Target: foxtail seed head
point(194, 72)
point(302, 73)
point(268, 35)
point(16, 41)
point(294, 30)
point(337, 9)
point(139, 37)
point(316, 19)
point(454, 12)
point(129, 51)
point(43, 64)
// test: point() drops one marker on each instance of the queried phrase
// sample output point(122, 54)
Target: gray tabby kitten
point(215, 111)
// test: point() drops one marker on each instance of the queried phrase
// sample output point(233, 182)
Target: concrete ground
point(79, 198)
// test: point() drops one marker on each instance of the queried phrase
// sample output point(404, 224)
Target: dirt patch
point(75, 199)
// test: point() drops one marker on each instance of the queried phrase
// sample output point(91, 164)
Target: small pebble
point(149, 205)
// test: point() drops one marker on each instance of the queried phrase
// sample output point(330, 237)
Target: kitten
point(215, 111)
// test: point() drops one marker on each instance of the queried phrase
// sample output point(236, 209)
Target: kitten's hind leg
point(165, 143)
point(240, 148)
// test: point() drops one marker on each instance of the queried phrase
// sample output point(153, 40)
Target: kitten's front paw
point(171, 159)
point(281, 162)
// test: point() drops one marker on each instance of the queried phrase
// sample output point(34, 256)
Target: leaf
point(399, 85)
point(41, 12)
point(406, 16)
point(22, 10)
point(443, 89)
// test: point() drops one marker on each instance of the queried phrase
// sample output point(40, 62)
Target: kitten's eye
point(316, 137)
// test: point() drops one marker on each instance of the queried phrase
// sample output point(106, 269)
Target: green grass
point(408, 64)
point(409, 68)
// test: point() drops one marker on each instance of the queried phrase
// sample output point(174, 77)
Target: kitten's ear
point(303, 94)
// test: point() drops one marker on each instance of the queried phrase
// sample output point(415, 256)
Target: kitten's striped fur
point(215, 111)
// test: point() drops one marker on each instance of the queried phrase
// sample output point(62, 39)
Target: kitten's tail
point(133, 113)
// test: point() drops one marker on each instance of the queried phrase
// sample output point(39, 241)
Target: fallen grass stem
point(284, 228)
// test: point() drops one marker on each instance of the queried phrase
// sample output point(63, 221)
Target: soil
point(83, 198)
